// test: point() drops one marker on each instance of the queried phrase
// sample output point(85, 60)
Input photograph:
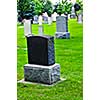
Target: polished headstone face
point(41, 50)
point(61, 24)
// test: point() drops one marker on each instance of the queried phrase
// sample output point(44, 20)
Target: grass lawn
point(68, 53)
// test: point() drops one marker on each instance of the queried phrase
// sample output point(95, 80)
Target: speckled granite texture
point(42, 74)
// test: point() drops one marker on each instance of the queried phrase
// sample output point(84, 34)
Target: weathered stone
point(42, 74)
point(27, 27)
point(35, 19)
point(62, 27)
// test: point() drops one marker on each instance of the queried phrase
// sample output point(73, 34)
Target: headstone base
point(62, 35)
point(42, 74)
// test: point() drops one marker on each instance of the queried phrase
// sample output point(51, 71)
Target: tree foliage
point(63, 7)
point(25, 9)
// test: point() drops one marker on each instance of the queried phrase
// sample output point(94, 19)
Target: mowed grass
point(68, 53)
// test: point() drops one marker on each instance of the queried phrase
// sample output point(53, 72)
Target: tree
point(25, 9)
point(78, 7)
point(63, 7)
point(38, 9)
point(48, 7)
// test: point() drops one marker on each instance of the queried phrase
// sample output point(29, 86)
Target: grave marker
point(62, 27)
point(27, 27)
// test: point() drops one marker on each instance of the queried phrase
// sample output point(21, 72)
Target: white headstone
point(40, 26)
point(40, 20)
point(27, 27)
point(80, 18)
point(68, 16)
point(45, 17)
point(35, 19)
point(40, 30)
point(49, 20)
point(54, 15)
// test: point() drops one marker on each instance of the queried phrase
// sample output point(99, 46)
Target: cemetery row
point(49, 11)
point(48, 20)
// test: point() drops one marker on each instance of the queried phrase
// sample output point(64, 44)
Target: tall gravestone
point(27, 27)
point(62, 27)
point(41, 67)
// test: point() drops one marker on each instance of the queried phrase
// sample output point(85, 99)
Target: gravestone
point(40, 29)
point(41, 50)
point(80, 19)
point(35, 19)
point(49, 20)
point(41, 67)
point(73, 15)
point(54, 15)
point(45, 19)
point(62, 27)
point(27, 27)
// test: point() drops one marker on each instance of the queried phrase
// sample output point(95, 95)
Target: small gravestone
point(73, 15)
point(40, 26)
point(45, 18)
point(35, 19)
point(49, 20)
point(62, 27)
point(54, 15)
point(80, 18)
point(27, 27)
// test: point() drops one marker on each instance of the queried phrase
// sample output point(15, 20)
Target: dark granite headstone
point(41, 50)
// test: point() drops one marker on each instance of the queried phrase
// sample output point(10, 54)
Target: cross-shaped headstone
point(40, 26)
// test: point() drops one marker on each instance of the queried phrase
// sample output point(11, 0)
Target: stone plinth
point(42, 74)
point(62, 35)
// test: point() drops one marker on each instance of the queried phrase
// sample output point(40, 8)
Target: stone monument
point(41, 67)
point(54, 15)
point(45, 17)
point(40, 26)
point(62, 27)
point(49, 20)
point(27, 27)
point(73, 15)
point(80, 18)
point(35, 19)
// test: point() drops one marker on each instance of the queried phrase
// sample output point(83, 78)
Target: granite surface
point(62, 27)
point(42, 74)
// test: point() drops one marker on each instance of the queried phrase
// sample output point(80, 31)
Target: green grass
point(69, 54)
